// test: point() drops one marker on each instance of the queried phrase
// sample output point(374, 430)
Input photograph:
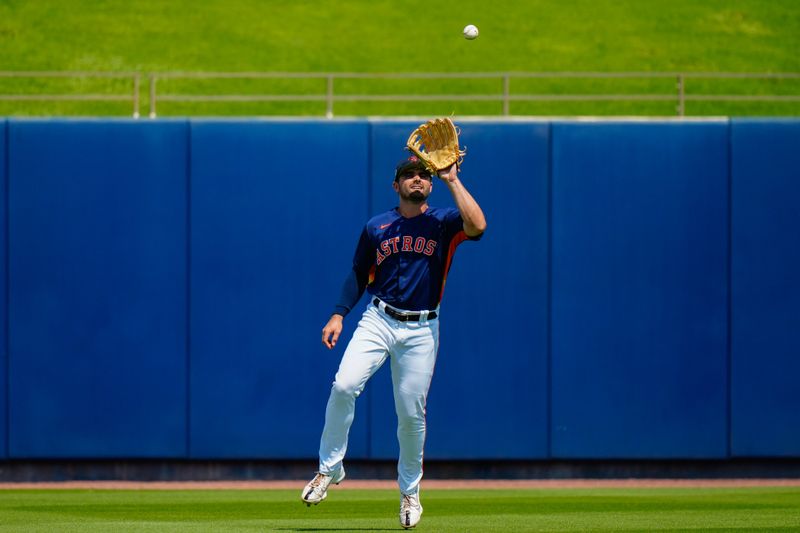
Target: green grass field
point(410, 36)
point(641, 510)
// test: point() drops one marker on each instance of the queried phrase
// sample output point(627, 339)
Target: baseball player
point(402, 260)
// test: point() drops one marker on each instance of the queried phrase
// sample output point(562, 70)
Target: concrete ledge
point(171, 470)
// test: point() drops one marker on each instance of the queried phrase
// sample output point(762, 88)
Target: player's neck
point(411, 210)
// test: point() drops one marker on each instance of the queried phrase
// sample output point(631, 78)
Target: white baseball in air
point(470, 32)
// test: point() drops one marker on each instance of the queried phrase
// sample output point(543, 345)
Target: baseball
point(470, 32)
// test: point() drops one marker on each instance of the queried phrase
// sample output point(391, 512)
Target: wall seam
point(729, 297)
point(549, 311)
point(7, 278)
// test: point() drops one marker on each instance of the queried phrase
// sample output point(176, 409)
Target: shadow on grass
point(334, 529)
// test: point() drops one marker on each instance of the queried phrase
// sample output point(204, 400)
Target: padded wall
point(488, 397)
point(765, 288)
point(273, 235)
point(3, 288)
point(168, 283)
point(639, 329)
point(97, 301)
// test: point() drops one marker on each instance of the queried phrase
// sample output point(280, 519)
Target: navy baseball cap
point(411, 161)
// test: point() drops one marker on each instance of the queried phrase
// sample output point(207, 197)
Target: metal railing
point(503, 94)
point(132, 95)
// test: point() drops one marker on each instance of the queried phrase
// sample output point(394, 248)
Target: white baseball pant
point(412, 347)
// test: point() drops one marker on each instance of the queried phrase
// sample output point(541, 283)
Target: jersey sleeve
point(453, 224)
point(358, 277)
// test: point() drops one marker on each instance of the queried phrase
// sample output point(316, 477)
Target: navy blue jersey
point(404, 261)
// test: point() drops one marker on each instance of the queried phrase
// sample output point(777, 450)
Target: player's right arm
point(474, 221)
point(352, 289)
point(332, 330)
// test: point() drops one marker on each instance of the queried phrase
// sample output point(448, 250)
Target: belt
point(402, 316)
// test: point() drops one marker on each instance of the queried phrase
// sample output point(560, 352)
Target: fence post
point(152, 95)
point(681, 96)
point(329, 98)
point(136, 95)
point(506, 92)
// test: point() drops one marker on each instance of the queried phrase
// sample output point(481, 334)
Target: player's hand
point(331, 331)
point(449, 174)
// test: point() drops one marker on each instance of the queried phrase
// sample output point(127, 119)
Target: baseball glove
point(436, 144)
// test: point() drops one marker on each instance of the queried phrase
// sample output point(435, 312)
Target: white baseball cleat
point(317, 489)
point(410, 510)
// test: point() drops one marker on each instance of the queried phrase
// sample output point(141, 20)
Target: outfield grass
point(390, 36)
point(641, 510)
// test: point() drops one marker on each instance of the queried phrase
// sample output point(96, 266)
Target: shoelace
point(408, 501)
point(317, 481)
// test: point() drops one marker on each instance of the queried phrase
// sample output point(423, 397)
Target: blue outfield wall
point(97, 289)
point(3, 293)
point(488, 398)
point(635, 295)
point(276, 209)
point(640, 240)
point(765, 317)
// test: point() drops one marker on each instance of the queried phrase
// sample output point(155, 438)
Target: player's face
point(414, 185)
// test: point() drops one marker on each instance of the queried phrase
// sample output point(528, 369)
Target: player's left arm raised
point(471, 212)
